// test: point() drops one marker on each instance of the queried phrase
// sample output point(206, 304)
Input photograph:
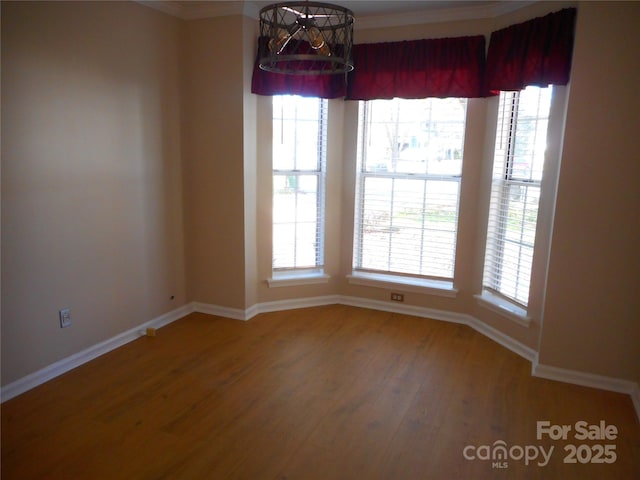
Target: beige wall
point(91, 184)
point(592, 315)
point(214, 165)
point(250, 148)
point(129, 120)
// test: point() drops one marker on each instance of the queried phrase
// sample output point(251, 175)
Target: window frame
point(431, 284)
point(494, 300)
point(303, 274)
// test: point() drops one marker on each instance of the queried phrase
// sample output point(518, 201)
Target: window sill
point(504, 308)
point(440, 288)
point(292, 279)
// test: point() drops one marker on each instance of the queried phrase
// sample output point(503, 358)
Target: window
point(299, 146)
point(521, 141)
point(409, 168)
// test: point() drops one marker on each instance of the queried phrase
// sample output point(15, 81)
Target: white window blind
point(410, 164)
point(521, 140)
point(299, 146)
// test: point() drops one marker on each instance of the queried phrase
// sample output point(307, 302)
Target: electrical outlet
point(65, 318)
point(397, 297)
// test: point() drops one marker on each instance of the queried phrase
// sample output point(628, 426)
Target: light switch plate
point(65, 318)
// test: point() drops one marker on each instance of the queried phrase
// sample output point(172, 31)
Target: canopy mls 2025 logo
point(500, 453)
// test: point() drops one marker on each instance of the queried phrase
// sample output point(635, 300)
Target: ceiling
point(365, 8)
point(368, 13)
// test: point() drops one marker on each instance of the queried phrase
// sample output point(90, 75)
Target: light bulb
point(324, 50)
point(316, 39)
point(276, 45)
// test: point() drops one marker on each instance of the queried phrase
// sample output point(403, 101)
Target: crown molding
point(440, 15)
point(209, 9)
point(199, 10)
point(171, 8)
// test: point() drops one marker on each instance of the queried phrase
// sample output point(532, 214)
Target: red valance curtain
point(322, 86)
point(444, 67)
point(537, 52)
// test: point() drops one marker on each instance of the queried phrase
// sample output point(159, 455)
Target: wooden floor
point(326, 393)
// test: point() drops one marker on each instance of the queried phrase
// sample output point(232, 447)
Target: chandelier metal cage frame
point(305, 38)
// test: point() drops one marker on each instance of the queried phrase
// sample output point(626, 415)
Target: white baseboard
point(581, 378)
point(538, 370)
point(218, 311)
point(505, 340)
point(280, 305)
point(446, 316)
point(266, 307)
point(62, 366)
point(588, 380)
point(404, 309)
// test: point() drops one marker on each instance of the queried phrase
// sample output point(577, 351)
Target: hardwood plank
point(332, 392)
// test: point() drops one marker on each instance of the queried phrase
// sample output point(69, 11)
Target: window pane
point(295, 198)
point(376, 223)
point(307, 235)
point(522, 213)
point(299, 127)
point(442, 205)
point(284, 244)
point(296, 133)
point(523, 119)
point(530, 141)
point(516, 271)
point(415, 136)
point(409, 226)
point(307, 199)
point(439, 256)
point(410, 154)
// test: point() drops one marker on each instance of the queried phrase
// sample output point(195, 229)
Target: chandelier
point(305, 38)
